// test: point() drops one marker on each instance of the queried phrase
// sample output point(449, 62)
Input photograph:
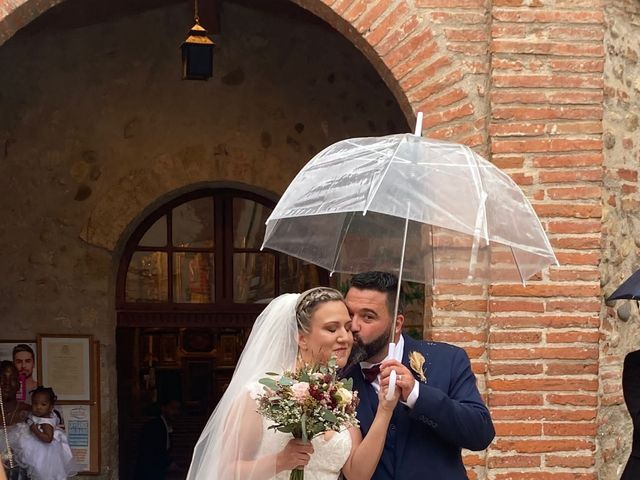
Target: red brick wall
point(520, 81)
point(545, 131)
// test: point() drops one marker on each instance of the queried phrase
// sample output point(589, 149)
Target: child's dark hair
point(47, 391)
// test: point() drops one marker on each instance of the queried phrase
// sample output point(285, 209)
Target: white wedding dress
point(330, 451)
point(230, 437)
point(329, 455)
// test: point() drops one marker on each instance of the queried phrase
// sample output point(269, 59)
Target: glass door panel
point(193, 277)
point(249, 219)
point(254, 277)
point(147, 277)
point(192, 224)
point(156, 236)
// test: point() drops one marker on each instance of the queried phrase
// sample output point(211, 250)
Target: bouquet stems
point(297, 474)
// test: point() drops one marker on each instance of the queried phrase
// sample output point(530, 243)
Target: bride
point(294, 329)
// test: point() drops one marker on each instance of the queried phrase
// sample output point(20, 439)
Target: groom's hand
point(404, 378)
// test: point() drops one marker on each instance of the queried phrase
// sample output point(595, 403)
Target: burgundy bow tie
point(371, 373)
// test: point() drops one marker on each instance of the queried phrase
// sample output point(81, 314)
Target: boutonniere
point(416, 361)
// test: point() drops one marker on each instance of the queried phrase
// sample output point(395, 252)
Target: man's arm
point(459, 417)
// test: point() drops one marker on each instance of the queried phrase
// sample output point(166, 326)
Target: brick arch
point(402, 41)
point(15, 14)
point(411, 55)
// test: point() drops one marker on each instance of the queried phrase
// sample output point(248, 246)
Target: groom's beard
point(362, 351)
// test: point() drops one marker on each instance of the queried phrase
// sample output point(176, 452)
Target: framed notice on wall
point(70, 365)
point(65, 365)
point(77, 421)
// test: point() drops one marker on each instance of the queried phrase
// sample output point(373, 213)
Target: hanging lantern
point(197, 53)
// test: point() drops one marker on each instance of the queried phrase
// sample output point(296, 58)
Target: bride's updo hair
point(309, 301)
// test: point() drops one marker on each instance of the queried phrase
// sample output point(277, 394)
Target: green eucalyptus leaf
point(286, 381)
point(286, 428)
point(269, 383)
point(329, 416)
point(303, 421)
point(348, 384)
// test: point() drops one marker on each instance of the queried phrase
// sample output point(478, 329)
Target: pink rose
point(300, 391)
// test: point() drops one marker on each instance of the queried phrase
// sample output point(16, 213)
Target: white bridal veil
point(231, 442)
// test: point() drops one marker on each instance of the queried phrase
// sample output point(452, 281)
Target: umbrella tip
point(418, 130)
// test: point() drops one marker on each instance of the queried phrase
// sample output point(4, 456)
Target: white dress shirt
point(413, 396)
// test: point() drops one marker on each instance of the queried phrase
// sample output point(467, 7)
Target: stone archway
point(523, 80)
point(407, 45)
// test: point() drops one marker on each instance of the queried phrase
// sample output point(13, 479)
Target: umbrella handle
point(392, 378)
point(392, 385)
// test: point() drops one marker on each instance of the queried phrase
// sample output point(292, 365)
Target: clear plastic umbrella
point(465, 220)
point(433, 211)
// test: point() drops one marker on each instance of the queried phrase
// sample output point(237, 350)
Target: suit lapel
point(366, 407)
point(409, 346)
point(402, 420)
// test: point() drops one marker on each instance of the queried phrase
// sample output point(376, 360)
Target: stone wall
point(621, 225)
point(97, 129)
point(89, 148)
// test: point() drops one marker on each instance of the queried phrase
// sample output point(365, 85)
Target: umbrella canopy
point(629, 289)
point(349, 208)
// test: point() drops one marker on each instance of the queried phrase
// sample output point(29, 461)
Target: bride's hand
point(404, 379)
point(295, 454)
point(384, 404)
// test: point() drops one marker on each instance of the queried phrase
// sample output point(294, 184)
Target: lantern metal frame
point(197, 52)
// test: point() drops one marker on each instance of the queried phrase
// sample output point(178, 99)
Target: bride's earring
point(299, 360)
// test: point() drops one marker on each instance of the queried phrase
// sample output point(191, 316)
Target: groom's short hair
point(384, 282)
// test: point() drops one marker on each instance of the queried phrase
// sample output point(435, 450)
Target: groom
point(441, 410)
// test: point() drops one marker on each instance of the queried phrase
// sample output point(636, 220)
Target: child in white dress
point(43, 448)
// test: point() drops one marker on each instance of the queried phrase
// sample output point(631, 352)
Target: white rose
point(344, 395)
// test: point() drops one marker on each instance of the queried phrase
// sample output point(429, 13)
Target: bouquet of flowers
point(308, 402)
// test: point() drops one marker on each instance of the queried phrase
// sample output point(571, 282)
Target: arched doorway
point(303, 87)
point(191, 282)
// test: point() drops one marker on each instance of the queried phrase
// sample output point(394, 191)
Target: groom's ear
point(399, 324)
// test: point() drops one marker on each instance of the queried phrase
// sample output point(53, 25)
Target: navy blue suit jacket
point(426, 440)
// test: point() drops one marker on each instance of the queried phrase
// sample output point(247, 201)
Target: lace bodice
point(328, 457)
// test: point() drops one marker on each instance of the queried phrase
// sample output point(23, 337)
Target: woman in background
point(14, 412)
